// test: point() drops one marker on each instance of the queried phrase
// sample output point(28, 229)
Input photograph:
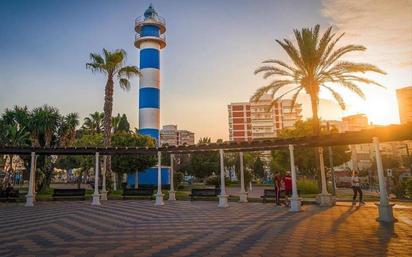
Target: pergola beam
point(385, 134)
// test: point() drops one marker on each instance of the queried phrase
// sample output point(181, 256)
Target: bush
point(215, 181)
point(307, 186)
point(402, 188)
point(178, 178)
point(408, 187)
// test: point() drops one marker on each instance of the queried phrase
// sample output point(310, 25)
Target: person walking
point(277, 181)
point(356, 188)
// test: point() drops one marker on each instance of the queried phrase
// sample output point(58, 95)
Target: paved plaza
point(199, 228)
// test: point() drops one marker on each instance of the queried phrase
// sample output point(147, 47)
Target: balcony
point(156, 20)
point(161, 39)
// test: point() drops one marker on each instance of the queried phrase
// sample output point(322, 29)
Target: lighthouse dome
point(150, 13)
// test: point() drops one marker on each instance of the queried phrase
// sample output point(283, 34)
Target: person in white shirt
point(356, 188)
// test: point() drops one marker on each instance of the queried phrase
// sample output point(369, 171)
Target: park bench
point(204, 192)
point(137, 192)
point(69, 194)
point(270, 193)
point(9, 195)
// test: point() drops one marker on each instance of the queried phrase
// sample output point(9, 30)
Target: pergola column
point(136, 180)
point(159, 195)
point(30, 193)
point(103, 193)
point(295, 201)
point(324, 198)
point(114, 178)
point(243, 193)
point(172, 192)
point(385, 208)
point(96, 196)
point(222, 197)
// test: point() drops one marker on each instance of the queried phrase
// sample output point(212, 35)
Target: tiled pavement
point(182, 228)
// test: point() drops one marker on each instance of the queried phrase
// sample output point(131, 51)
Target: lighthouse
point(150, 39)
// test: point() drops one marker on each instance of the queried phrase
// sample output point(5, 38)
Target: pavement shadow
point(343, 217)
point(385, 233)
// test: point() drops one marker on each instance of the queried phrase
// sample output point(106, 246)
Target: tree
point(204, 164)
point(93, 123)
point(258, 169)
point(112, 64)
point(316, 64)
point(132, 163)
point(305, 158)
point(41, 127)
point(81, 162)
point(120, 124)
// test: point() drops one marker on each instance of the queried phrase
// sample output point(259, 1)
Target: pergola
point(375, 136)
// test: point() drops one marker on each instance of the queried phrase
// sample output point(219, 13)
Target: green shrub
point(402, 188)
point(307, 186)
point(408, 187)
point(215, 181)
point(178, 178)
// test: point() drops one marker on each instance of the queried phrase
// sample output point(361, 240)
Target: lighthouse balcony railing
point(157, 19)
point(139, 36)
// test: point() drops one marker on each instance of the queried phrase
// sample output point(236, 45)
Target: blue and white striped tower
point(150, 39)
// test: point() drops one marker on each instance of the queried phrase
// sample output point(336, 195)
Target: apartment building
point(170, 135)
point(262, 119)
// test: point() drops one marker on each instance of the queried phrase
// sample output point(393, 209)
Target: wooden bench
point(137, 192)
point(270, 193)
point(204, 192)
point(9, 195)
point(69, 194)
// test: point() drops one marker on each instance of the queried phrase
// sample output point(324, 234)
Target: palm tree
point(120, 123)
point(113, 65)
point(94, 123)
point(316, 64)
point(44, 124)
point(67, 129)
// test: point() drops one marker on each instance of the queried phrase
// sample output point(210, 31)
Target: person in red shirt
point(287, 181)
point(277, 181)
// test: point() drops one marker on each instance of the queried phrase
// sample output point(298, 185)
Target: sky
point(213, 48)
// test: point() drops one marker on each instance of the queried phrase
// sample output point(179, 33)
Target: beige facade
point(170, 135)
point(404, 96)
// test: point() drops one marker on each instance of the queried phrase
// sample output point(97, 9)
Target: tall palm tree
point(112, 64)
point(94, 122)
point(316, 63)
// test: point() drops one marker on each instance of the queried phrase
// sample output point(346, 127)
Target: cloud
point(384, 27)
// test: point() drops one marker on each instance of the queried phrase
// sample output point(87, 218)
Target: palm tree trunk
point(108, 109)
point(315, 116)
point(314, 99)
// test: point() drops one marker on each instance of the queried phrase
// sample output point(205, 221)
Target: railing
point(157, 19)
point(139, 36)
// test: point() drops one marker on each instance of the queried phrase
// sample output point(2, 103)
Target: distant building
point(355, 122)
point(240, 123)
point(362, 155)
point(404, 96)
point(170, 135)
point(256, 120)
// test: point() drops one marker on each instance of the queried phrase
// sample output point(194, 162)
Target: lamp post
point(159, 195)
point(172, 192)
point(243, 193)
point(332, 171)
